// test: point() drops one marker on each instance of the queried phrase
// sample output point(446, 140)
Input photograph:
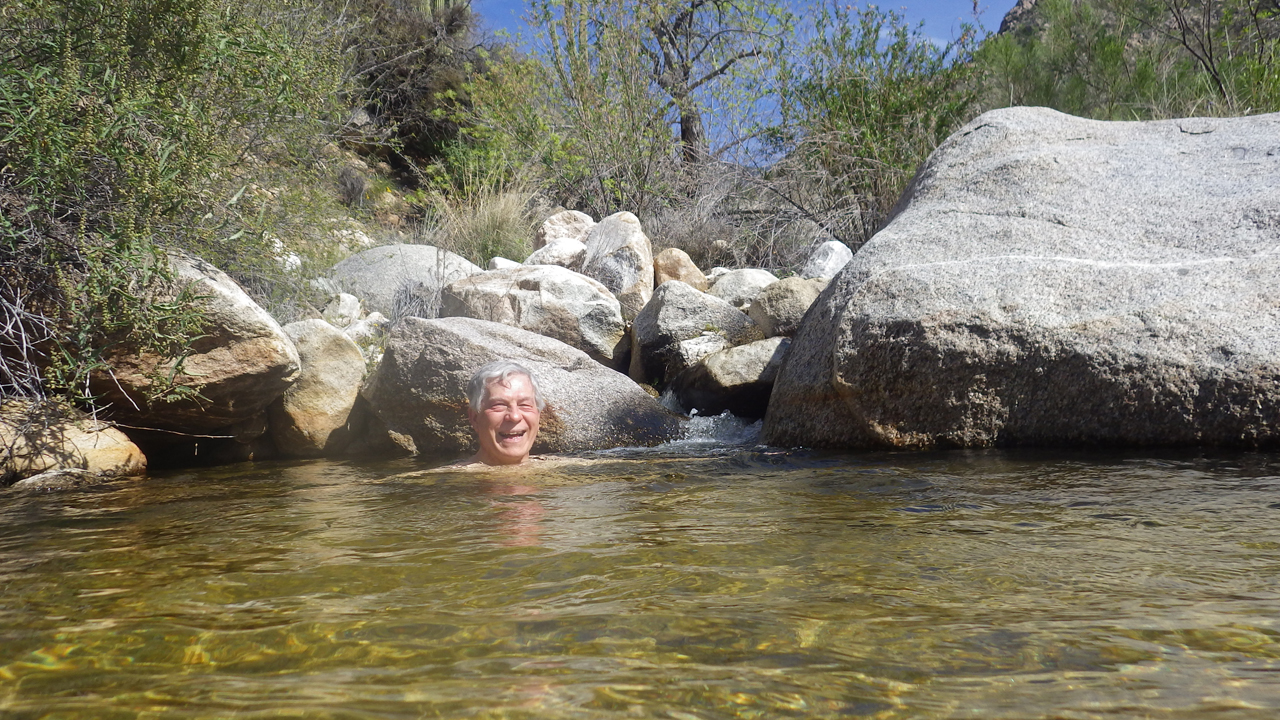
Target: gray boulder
point(1050, 280)
point(419, 389)
point(620, 256)
point(827, 260)
point(679, 327)
point(737, 379)
point(567, 253)
point(780, 307)
point(310, 419)
point(740, 287)
point(564, 225)
point(398, 280)
point(241, 362)
point(545, 299)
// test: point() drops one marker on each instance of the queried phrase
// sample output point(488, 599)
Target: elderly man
point(505, 406)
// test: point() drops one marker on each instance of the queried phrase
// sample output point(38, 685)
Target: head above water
point(505, 408)
point(499, 370)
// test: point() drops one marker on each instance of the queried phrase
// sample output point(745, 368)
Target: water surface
point(689, 582)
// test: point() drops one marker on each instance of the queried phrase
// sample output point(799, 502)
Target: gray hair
point(500, 371)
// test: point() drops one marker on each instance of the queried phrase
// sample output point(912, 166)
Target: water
point(695, 581)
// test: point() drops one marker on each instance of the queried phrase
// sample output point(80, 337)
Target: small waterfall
point(711, 430)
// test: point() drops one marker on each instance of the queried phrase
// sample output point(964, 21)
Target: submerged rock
point(419, 390)
point(1051, 280)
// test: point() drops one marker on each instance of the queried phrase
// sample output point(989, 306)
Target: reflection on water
point(694, 581)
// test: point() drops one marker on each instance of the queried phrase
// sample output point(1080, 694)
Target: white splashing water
point(711, 430)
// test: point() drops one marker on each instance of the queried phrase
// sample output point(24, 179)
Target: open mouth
point(511, 436)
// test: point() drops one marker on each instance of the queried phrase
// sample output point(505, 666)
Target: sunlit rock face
point(1049, 280)
point(620, 256)
point(398, 280)
point(240, 363)
point(679, 327)
point(419, 389)
point(548, 300)
point(311, 418)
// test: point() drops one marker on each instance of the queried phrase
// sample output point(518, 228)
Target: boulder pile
point(582, 311)
point(1045, 280)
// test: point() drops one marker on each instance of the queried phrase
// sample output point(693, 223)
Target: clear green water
point(687, 583)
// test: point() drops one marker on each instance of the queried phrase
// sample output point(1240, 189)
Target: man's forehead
point(508, 383)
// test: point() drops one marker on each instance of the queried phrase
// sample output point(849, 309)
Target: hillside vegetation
point(265, 136)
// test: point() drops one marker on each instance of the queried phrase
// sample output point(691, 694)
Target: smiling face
point(507, 422)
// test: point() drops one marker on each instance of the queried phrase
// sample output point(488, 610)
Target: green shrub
point(1138, 59)
point(872, 98)
point(127, 128)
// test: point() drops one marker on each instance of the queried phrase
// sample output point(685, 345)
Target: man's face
point(507, 423)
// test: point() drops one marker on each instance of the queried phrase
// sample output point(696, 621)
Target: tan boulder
point(311, 417)
point(34, 440)
point(675, 264)
point(241, 362)
point(780, 307)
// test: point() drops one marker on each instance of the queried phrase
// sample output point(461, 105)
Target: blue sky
point(942, 18)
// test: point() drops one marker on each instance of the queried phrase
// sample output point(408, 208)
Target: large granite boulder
point(564, 225)
point(407, 278)
point(620, 256)
point(740, 288)
point(738, 379)
point(679, 327)
point(1049, 280)
point(419, 389)
point(36, 439)
point(241, 362)
point(311, 418)
point(547, 300)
